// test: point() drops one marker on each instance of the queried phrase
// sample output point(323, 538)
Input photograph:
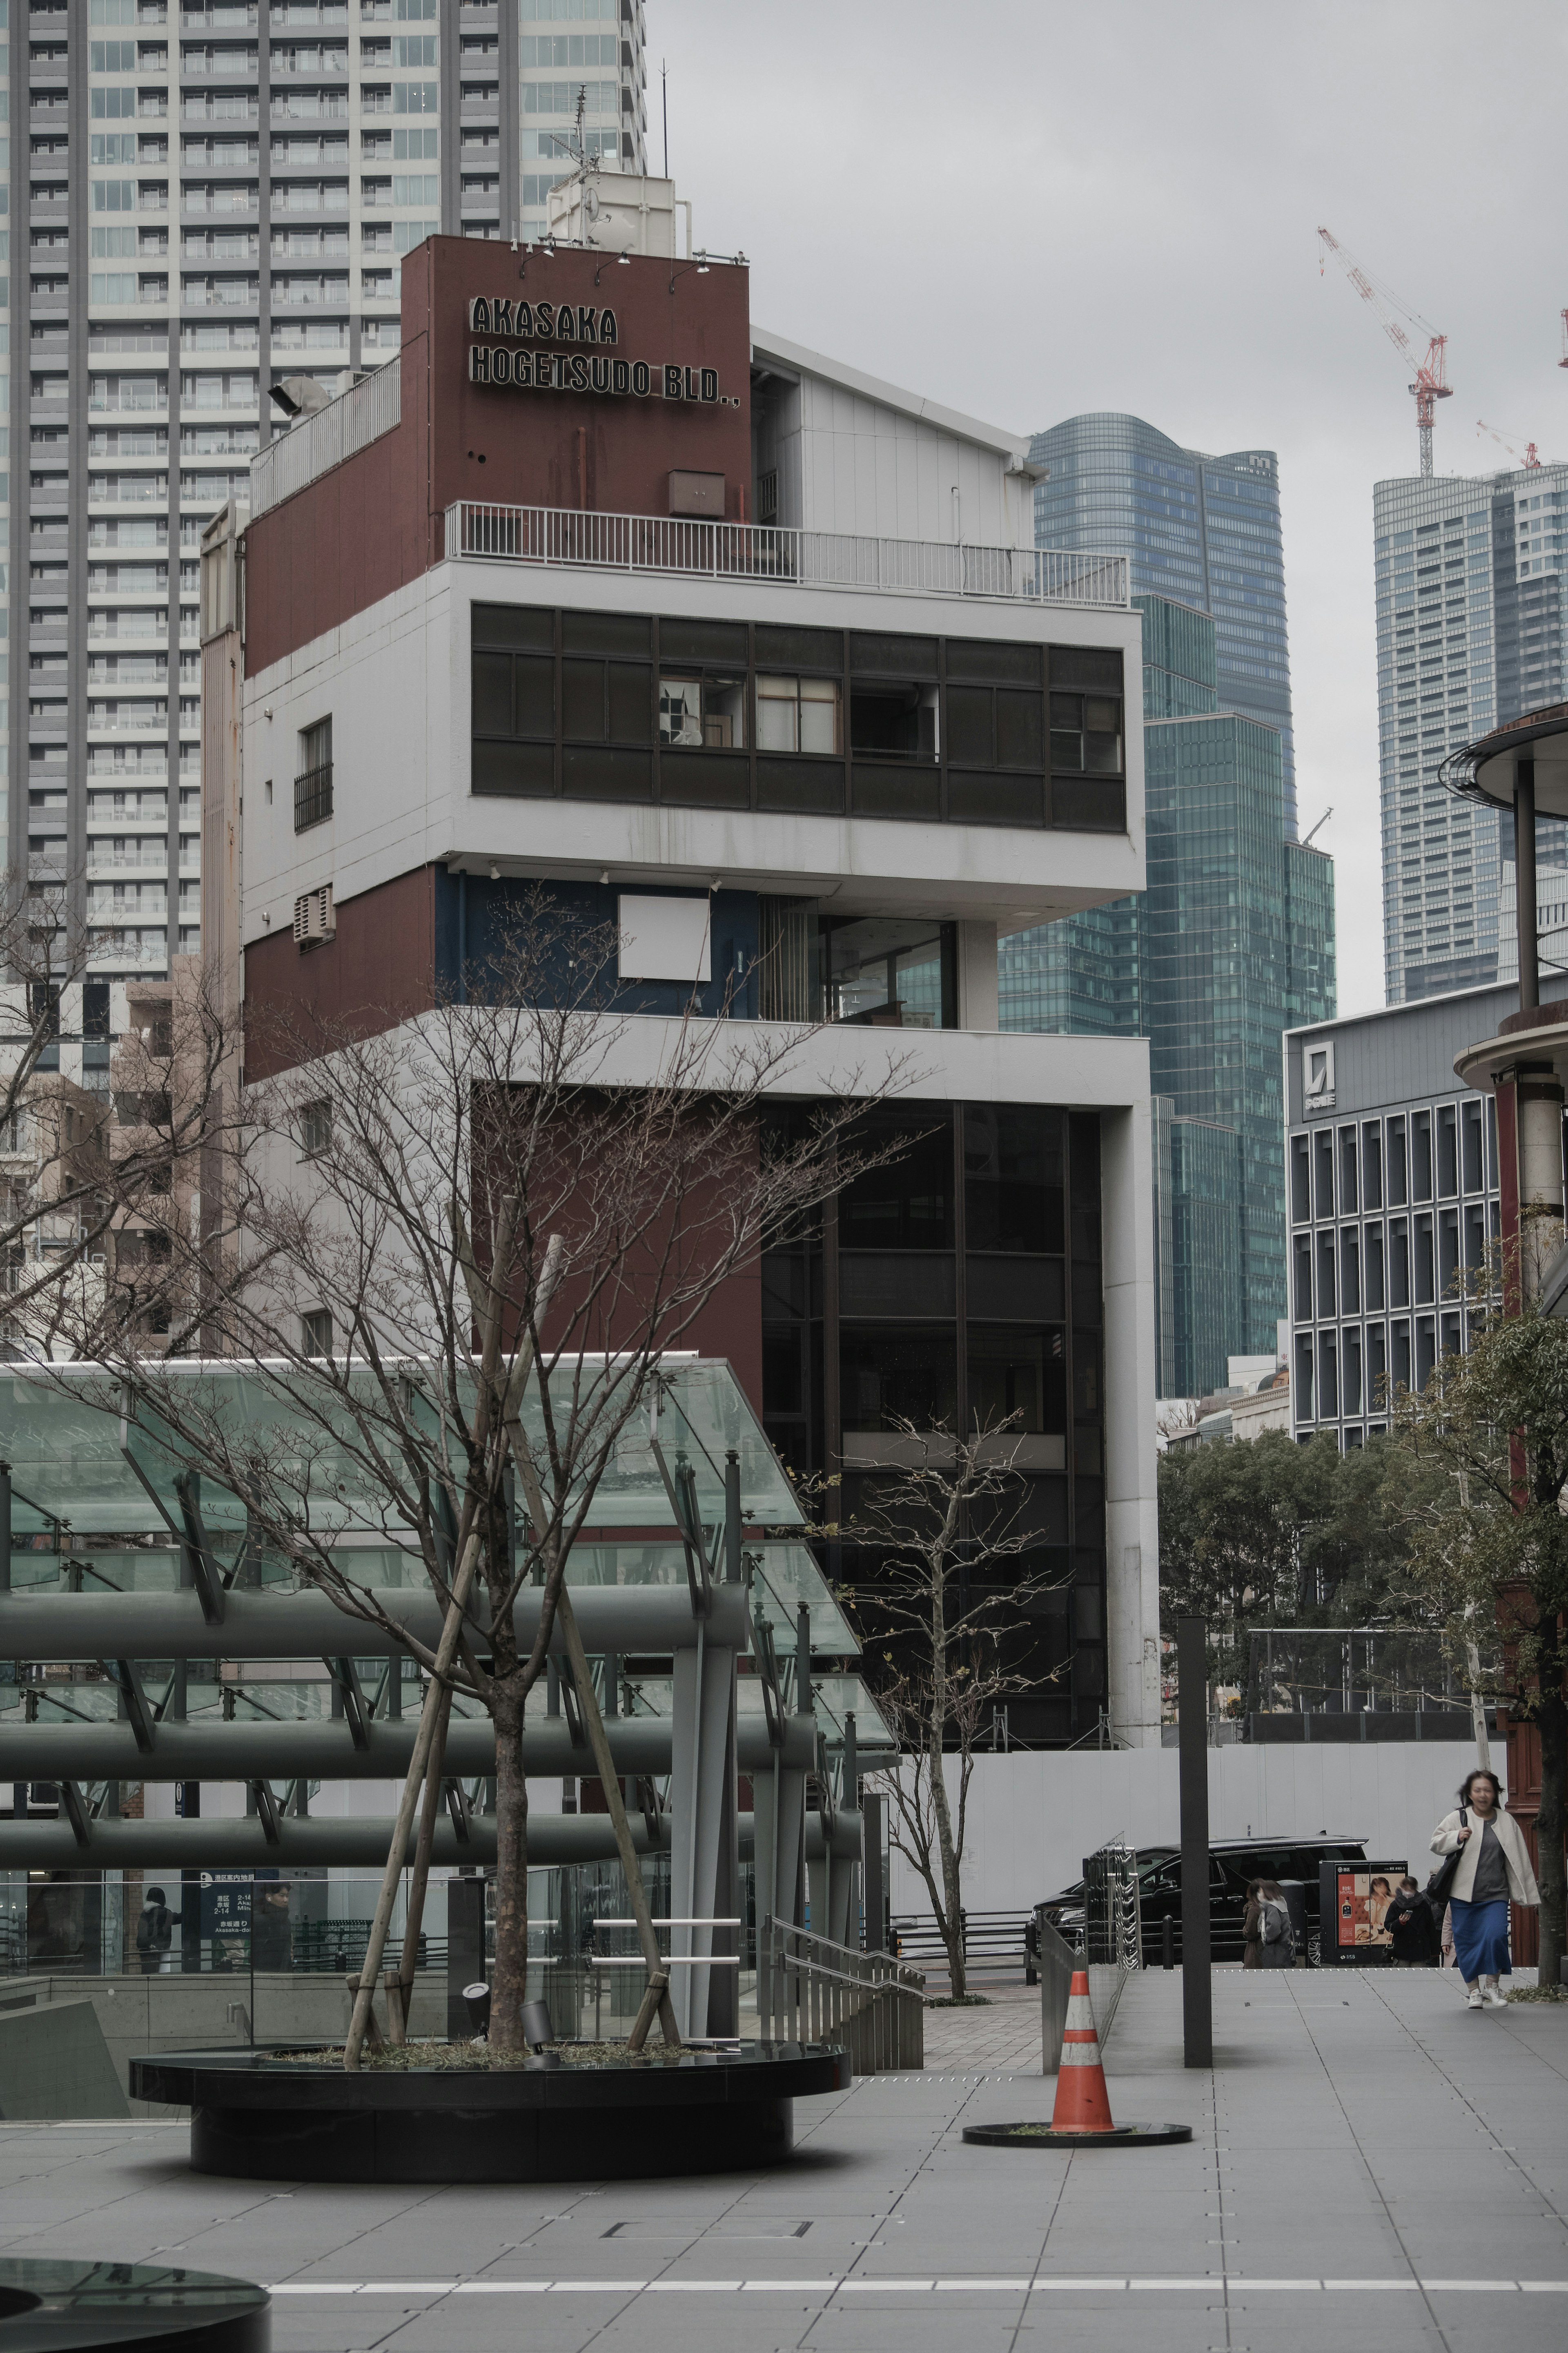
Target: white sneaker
point(1473, 1999)
point(1493, 1998)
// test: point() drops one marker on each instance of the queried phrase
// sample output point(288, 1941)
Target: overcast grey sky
point(1027, 210)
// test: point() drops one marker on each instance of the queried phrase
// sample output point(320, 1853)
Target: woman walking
point(1267, 1940)
point(1493, 1871)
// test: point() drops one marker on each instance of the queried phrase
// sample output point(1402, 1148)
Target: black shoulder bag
point(1440, 1886)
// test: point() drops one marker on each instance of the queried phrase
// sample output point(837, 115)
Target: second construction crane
point(1429, 386)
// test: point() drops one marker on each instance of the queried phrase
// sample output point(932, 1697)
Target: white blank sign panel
point(664, 939)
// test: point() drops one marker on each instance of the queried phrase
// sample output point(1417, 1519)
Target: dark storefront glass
point(936, 1288)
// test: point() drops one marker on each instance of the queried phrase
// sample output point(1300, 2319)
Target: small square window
point(316, 1333)
point(315, 1128)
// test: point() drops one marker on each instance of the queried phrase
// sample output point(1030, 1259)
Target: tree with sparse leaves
point(464, 1245)
point(943, 1525)
point(1486, 1530)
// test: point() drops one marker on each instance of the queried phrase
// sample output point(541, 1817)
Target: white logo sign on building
point(1318, 1078)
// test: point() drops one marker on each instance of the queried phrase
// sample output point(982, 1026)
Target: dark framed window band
point(565, 706)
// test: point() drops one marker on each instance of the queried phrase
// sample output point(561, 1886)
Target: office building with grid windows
point(1471, 584)
point(1393, 1199)
point(1231, 944)
point(215, 197)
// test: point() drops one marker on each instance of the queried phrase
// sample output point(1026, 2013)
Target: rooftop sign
point(577, 369)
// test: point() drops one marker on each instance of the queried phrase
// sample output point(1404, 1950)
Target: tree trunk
point(1552, 1725)
point(952, 1914)
point(508, 1979)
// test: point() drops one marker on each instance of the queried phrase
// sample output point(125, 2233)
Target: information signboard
point(1354, 1898)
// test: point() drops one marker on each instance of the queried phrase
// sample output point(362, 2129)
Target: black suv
point(1232, 1863)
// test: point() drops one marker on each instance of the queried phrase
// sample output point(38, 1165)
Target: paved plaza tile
point(1371, 2166)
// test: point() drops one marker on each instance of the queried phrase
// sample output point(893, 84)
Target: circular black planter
point(78, 2308)
point(1046, 2137)
point(714, 2112)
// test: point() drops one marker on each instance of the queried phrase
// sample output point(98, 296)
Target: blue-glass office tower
point(1202, 531)
point(1232, 943)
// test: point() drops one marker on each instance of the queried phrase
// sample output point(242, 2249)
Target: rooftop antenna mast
point(1429, 386)
point(573, 143)
point(664, 95)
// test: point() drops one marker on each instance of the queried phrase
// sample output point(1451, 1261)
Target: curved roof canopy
point(1488, 770)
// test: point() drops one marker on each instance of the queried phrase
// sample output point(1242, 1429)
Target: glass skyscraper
point(210, 198)
point(1204, 531)
point(1232, 943)
point(1471, 575)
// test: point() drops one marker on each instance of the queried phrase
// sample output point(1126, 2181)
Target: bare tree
point(941, 1526)
point(469, 1238)
point(1173, 1417)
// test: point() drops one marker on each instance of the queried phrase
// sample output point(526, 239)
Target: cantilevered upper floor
point(508, 612)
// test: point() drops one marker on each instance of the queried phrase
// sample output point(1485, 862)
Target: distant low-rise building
point(1392, 1168)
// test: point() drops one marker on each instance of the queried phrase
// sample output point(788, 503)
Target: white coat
point(1511, 1837)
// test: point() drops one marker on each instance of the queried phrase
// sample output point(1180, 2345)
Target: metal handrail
point(811, 1990)
point(768, 552)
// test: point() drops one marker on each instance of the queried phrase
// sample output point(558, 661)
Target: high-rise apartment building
point(212, 198)
point(1470, 583)
point(1201, 531)
point(1231, 945)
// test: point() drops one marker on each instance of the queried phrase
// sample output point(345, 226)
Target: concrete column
point(1538, 1092)
point(704, 1875)
point(1526, 916)
point(978, 1003)
point(1131, 1517)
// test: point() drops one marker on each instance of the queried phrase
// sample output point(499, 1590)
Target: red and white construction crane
point(1511, 441)
point(1429, 387)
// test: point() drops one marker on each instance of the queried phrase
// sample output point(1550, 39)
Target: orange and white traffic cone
point(1083, 2103)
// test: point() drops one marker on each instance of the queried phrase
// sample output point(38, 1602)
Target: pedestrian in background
point(1412, 1928)
point(1268, 1939)
point(154, 1932)
point(1493, 1869)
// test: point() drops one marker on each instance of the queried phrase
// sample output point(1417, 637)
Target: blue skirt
point(1481, 1939)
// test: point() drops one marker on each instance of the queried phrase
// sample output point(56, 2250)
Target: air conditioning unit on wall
point(313, 918)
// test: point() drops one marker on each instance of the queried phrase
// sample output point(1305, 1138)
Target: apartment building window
point(313, 784)
point(799, 714)
point(316, 1333)
point(315, 1128)
point(741, 715)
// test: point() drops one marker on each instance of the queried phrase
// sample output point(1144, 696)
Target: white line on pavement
point(1235, 2284)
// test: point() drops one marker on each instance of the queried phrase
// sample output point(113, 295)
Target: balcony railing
point(801, 559)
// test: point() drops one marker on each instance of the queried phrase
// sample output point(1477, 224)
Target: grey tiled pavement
point(1357, 2129)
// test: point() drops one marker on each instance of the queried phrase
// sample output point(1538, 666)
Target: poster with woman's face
point(1361, 1902)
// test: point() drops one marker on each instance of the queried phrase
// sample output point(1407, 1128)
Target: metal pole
point(4, 1527)
point(1197, 1983)
point(733, 1573)
point(1524, 882)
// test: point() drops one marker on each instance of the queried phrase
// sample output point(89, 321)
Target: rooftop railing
point(799, 559)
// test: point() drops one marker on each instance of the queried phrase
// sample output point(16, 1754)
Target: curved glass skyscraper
point(1233, 942)
point(1202, 530)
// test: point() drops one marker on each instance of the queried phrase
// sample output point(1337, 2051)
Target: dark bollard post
point(1197, 1984)
point(465, 1952)
point(1167, 1943)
